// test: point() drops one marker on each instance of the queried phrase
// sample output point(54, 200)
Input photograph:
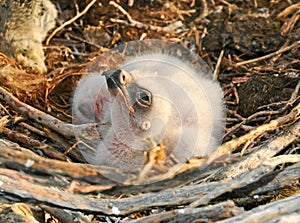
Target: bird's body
point(153, 97)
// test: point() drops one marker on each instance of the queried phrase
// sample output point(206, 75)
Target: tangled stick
point(70, 21)
point(63, 128)
point(295, 45)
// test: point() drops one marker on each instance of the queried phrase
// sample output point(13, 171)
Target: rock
point(23, 27)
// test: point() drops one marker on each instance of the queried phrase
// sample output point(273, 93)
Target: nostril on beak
point(117, 81)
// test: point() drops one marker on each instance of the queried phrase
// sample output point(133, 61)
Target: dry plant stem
point(4, 121)
point(268, 212)
point(289, 26)
point(33, 129)
point(275, 161)
point(288, 10)
point(295, 45)
point(24, 211)
point(116, 5)
point(70, 21)
point(218, 65)
point(205, 10)
point(296, 92)
point(78, 187)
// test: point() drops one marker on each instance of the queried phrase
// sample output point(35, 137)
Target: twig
point(14, 182)
point(252, 117)
point(282, 50)
point(65, 129)
point(233, 144)
point(116, 5)
point(12, 153)
point(282, 159)
point(217, 69)
point(212, 212)
point(288, 10)
point(130, 3)
point(243, 180)
point(264, 151)
point(29, 141)
point(269, 212)
point(39, 116)
point(33, 129)
point(290, 24)
point(295, 93)
point(70, 21)
point(287, 178)
point(166, 29)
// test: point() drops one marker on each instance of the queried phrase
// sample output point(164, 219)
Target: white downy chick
point(150, 96)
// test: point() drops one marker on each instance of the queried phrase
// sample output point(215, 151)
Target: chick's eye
point(144, 98)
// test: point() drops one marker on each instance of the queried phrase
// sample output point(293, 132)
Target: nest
point(253, 176)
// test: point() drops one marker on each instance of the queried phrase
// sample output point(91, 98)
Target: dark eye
point(144, 98)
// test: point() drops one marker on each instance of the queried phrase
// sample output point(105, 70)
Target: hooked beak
point(116, 82)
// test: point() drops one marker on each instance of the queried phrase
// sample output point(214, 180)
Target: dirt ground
point(252, 45)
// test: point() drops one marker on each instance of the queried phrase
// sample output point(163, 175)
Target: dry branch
point(293, 116)
point(214, 212)
point(267, 213)
point(24, 186)
point(286, 178)
point(65, 129)
point(16, 156)
point(295, 45)
point(166, 29)
point(70, 21)
point(22, 138)
point(264, 151)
